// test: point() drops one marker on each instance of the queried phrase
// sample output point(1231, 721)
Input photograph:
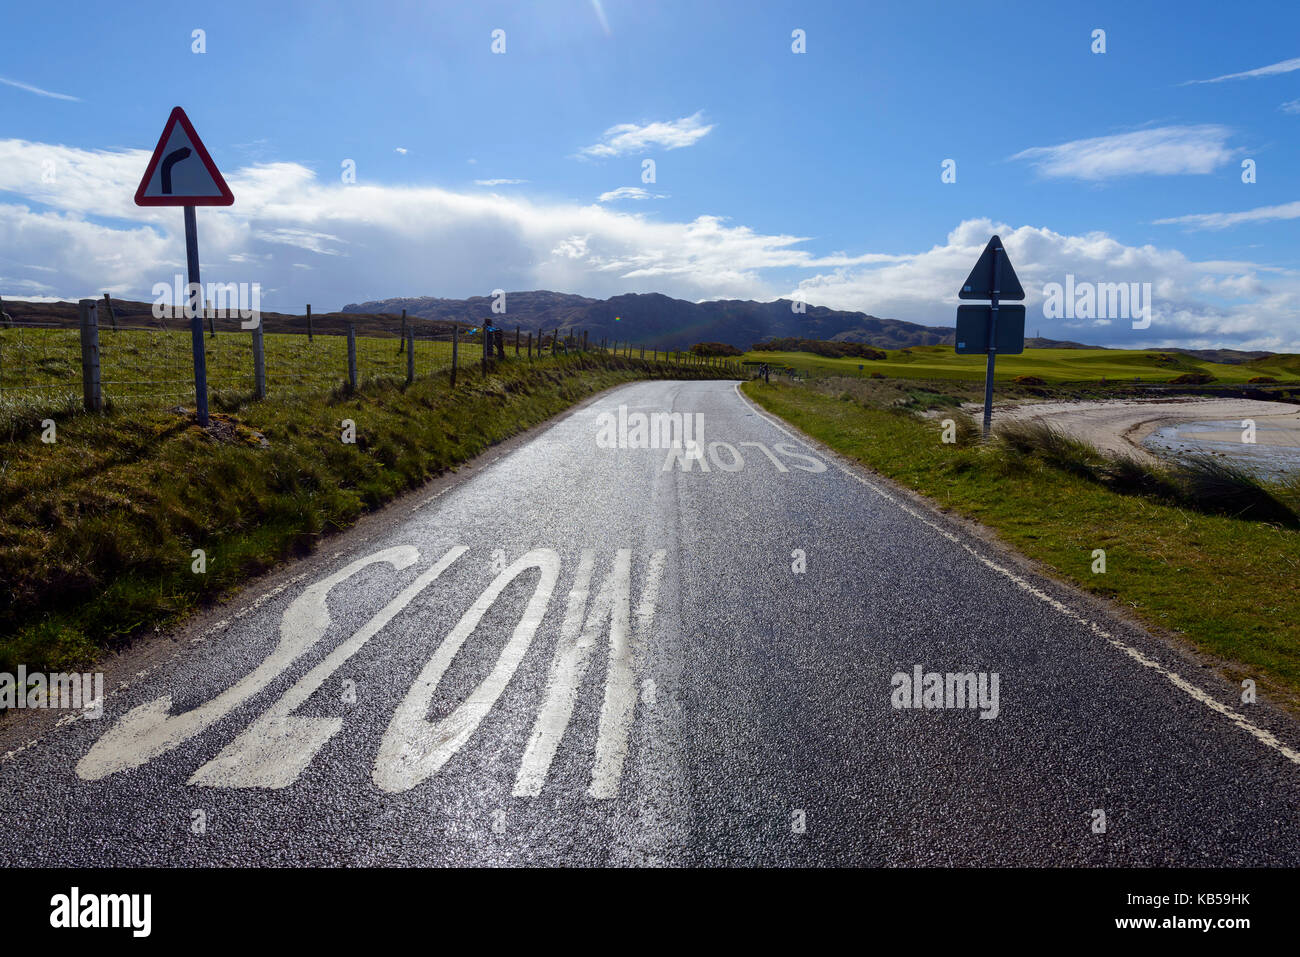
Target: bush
point(821, 347)
point(1192, 378)
point(969, 432)
point(1029, 380)
point(1053, 446)
point(1260, 379)
point(1203, 483)
point(1211, 484)
point(1130, 476)
point(714, 349)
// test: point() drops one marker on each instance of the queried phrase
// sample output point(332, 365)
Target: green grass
point(1224, 584)
point(97, 529)
point(40, 368)
point(1051, 365)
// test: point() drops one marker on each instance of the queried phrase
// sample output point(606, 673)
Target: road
point(588, 655)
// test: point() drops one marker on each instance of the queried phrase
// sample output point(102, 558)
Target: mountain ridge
point(660, 321)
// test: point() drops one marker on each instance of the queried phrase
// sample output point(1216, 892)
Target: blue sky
point(776, 173)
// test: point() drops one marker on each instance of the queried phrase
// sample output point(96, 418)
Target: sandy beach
point(1122, 426)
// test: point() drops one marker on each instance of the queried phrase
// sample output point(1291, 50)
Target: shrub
point(1130, 476)
point(821, 347)
point(1192, 378)
point(1202, 482)
point(1029, 380)
point(714, 349)
point(1053, 446)
point(969, 432)
point(1212, 484)
point(1259, 379)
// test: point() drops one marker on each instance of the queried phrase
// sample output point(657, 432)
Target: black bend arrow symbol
point(170, 160)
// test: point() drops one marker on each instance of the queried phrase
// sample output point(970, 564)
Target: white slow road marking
point(572, 656)
point(1241, 721)
point(277, 747)
point(620, 680)
point(413, 748)
point(150, 729)
point(613, 606)
point(274, 750)
point(70, 719)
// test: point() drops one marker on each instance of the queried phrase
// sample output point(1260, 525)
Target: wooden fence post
point(530, 345)
point(518, 329)
point(401, 343)
point(91, 388)
point(455, 347)
point(410, 356)
point(259, 362)
point(309, 322)
point(108, 310)
point(352, 355)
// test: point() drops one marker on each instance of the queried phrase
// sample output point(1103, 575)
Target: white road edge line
point(1240, 720)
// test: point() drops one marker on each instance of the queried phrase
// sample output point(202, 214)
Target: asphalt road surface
point(591, 655)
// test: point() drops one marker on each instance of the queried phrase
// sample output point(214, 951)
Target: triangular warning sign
point(979, 284)
point(180, 172)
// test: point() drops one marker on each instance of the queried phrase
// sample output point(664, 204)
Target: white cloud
point(630, 138)
point(1261, 214)
point(499, 182)
point(1290, 106)
point(575, 247)
point(38, 91)
point(628, 192)
point(1273, 69)
point(400, 149)
point(84, 236)
point(1196, 304)
point(313, 242)
point(1163, 151)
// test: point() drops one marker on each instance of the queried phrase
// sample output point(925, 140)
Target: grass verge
point(1224, 583)
point(1053, 366)
point(97, 529)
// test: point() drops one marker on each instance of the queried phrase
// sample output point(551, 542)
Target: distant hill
point(651, 319)
point(663, 322)
point(1227, 356)
point(1039, 342)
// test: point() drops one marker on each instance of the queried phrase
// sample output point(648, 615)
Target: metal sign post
point(977, 326)
point(181, 173)
point(196, 316)
point(993, 342)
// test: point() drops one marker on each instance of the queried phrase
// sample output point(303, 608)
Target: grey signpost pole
point(995, 327)
point(200, 185)
point(993, 342)
point(196, 316)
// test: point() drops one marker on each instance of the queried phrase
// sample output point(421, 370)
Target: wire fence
point(40, 365)
point(45, 367)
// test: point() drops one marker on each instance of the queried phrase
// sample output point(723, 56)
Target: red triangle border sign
point(226, 197)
